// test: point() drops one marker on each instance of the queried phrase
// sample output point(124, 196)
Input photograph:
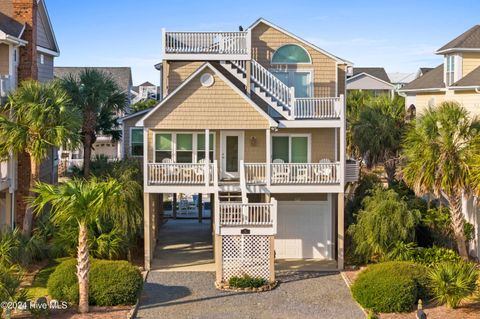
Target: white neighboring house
point(145, 91)
point(371, 79)
point(104, 145)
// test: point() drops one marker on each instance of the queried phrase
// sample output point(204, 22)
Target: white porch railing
point(179, 173)
point(318, 108)
point(234, 214)
point(293, 173)
point(233, 44)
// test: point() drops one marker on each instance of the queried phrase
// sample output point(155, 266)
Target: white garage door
point(304, 230)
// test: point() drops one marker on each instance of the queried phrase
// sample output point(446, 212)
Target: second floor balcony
point(206, 45)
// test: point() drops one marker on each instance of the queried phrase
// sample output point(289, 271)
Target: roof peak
point(467, 41)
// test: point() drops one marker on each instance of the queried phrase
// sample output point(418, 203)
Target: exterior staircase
point(265, 85)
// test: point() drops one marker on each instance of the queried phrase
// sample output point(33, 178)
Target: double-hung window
point(201, 147)
point(291, 149)
point(136, 142)
point(450, 72)
point(163, 147)
point(184, 148)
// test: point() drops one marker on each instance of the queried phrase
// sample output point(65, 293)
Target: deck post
point(174, 206)
point(268, 155)
point(340, 231)
point(200, 207)
point(207, 158)
point(149, 229)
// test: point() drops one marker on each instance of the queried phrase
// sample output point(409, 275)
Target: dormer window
point(450, 70)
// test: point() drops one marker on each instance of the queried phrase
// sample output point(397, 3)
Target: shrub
point(385, 219)
point(390, 286)
point(435, 255)
point(111, 282)
point(246, 282)
point(452, 282)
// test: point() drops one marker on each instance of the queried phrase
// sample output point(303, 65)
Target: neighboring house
point(410, 99)
point(27, 51)
point(400, 79)
point(256, 119)
point(371, 79)
point(145, 91)
point(104, 145)
point(456, 79)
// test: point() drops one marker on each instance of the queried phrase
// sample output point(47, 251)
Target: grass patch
point(39, 285)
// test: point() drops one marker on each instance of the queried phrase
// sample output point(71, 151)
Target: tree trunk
point(88, 134)
point(83, 268)
point(390, 167)
point(34, 179)
point(455, 202)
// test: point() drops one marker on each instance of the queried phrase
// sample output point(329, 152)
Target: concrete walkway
point(302, 295)
point(184, 245)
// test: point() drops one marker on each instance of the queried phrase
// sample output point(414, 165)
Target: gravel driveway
point(300, 295)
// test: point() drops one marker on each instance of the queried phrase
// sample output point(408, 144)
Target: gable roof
point(53, 49)
point(472, 80)
point(313, 46)
point(467, 41)
point(376, 72)
point(146, 84)
point(425, 70)
point(11, 26)
point(220, 75)
point(432, 80)
point(401, 78)
point(133, 115)
point(121, 75)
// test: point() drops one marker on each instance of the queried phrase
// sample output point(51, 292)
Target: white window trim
point(288, 70)
point(276, 63)
point(174, 143)
point(130, 141)
point(290, 135)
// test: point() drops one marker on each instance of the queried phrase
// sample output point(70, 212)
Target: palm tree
point(438, 153)
point(100, 100)
point(36, 118)
point(82, 201)
point(378, 132)
point(357, 101)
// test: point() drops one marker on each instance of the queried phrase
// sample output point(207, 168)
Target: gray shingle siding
point(45, 70)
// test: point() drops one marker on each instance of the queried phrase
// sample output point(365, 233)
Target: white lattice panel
point(245, 255)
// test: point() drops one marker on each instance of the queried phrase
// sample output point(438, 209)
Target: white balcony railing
point(292, 173)
point(6, 85)
point(211, 45)
point(180, 174)
point(234, 214)
point(318, 108)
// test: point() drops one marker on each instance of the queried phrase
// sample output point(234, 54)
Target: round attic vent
point(207, 79)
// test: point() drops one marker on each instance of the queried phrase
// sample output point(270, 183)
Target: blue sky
point(399, 35)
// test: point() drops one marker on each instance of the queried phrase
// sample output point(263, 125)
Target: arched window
point(291, 54)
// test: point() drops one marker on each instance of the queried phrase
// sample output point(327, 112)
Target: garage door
point(304, 230)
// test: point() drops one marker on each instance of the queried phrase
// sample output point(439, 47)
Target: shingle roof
point(121, 75)
point(425, 70)
point(10, 26)
point(470, 39)
point(430, 80)
point(471, 79)
point(379, 73)
point(147, 84)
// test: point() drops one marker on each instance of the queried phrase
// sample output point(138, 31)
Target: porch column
point(340, 231)
point(207, 157)
point(200, 207)
point(174, 206)
point(148, 231)
point(268, 155)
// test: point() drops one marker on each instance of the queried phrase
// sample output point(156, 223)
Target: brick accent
point(25, 11)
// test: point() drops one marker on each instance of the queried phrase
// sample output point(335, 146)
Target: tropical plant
point(10, 279)
point(97, 96)
point(452, 282)
point(37, 118)
point(363, 187)
point(83, 202)
point(356, 102)
point(378, 132)
point(438, 155)
point(16, 248)
point(384, 220)
point(143, 105)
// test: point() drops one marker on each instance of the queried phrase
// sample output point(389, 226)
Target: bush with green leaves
point(384, 220)
point(15, 248)
point(429, 257)
point(10, 280)
point(246, 281)
point(111, 282)
point(453, 282)
point(391, 286)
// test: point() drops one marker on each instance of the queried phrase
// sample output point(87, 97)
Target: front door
point(231, 151)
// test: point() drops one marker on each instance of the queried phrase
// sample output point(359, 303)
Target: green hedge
point(111, 282)
point(391, 286)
